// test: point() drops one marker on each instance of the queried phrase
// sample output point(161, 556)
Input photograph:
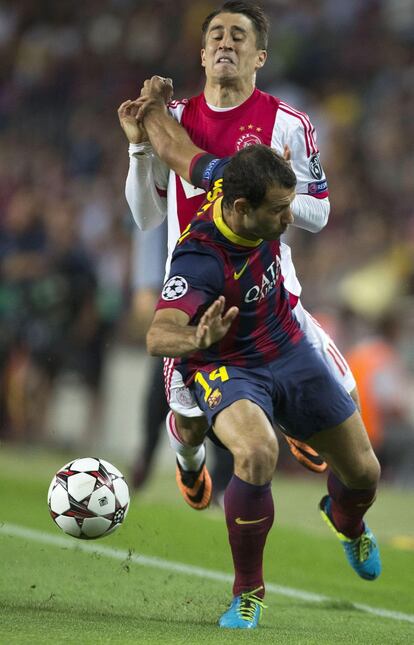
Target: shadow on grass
point(335, 605)
point(49, 607)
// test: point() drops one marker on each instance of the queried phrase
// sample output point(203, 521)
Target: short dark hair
point(251, 171)
point(252, 11)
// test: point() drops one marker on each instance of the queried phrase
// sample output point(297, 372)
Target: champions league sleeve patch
point(315, 167)
point(202, 171)
point(208, 173)
point(174, 288)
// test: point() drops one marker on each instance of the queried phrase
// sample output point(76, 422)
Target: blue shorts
point(297, 391)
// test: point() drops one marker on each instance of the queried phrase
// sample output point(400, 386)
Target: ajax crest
point(249, 137)
point(246, 140)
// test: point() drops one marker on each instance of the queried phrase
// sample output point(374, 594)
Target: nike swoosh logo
point(240, 521)
point(237, 275)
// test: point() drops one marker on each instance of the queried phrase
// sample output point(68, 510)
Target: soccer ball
point(88, 498)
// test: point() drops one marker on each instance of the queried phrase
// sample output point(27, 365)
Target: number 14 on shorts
point(218, 373)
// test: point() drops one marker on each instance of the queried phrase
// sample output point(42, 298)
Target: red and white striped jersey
point(262, 118)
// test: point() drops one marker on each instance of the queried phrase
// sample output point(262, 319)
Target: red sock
point(348, 506)
point(249, 516)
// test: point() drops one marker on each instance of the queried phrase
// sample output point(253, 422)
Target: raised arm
point(147, 179)
point(168, 138)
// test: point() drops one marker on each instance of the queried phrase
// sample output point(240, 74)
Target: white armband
point(147, 175)
point(310, 213)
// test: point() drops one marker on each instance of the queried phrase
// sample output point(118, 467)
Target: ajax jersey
point(262, 118)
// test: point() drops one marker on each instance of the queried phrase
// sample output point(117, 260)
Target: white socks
point(189, 457)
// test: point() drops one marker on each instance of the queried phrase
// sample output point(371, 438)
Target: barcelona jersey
point(211, 260)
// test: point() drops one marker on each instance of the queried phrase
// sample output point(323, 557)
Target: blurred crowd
point(67, 286)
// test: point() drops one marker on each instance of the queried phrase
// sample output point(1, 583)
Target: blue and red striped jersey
point(211, 260)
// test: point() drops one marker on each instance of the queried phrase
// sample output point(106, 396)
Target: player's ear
point(203, 58)
point(241, 206)
point(261, 58)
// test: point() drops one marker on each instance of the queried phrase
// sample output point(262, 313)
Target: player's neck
point(231, 219)
point(227, 95)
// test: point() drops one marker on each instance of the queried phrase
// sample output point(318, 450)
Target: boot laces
point(248, 604)
point(365, 546)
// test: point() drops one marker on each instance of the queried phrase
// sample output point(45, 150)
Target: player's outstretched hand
point(127, 114)
point(214, 324)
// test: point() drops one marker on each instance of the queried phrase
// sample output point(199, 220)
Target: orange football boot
point(195, 486)
point(306, 456)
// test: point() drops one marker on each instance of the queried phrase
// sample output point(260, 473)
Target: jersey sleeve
point(145, 187)
point(195, 280)
point(295, 129)
point(205, 169)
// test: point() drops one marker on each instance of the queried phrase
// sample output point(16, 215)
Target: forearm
point(169, 339)
point(169, 139)
point(147, 206)
point(310, 213)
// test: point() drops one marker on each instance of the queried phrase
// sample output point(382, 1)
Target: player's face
point(230, 52)
point(270, 220)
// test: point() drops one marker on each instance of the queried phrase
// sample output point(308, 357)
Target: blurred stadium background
point(74, 298)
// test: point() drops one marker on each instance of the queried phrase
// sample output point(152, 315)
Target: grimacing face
point(270, 220)
point(230, 51)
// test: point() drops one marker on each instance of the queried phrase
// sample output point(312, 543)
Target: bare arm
point(168, 138)
point(171, 335)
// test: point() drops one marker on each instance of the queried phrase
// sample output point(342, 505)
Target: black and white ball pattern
point(88, 498)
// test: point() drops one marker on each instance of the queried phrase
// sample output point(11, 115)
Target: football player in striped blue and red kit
point(224, 312)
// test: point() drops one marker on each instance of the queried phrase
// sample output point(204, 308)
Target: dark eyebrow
point(232, 28)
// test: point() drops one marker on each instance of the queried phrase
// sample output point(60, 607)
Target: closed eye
point(237, 33)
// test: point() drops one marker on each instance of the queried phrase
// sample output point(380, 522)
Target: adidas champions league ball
point(88, 498)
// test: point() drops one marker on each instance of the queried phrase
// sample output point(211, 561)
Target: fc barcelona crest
point(214, 399)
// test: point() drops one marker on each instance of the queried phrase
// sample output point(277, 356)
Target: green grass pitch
point(164, 577)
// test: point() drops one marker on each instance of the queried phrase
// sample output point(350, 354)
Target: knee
point(256, 461)
point(365, 475)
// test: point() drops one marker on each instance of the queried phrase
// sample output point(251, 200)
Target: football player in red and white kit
point(229, 114)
